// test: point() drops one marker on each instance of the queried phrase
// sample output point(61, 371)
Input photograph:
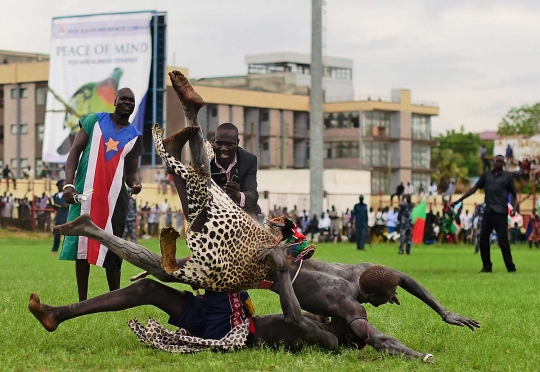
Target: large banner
point(91, 58)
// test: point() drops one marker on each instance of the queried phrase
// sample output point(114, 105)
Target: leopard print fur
point(225, 253)
point(181, 341)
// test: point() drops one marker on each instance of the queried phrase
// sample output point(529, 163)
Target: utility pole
point(316, 112)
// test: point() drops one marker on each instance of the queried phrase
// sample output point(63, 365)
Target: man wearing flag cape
point(104, 158)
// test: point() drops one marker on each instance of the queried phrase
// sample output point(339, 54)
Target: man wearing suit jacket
point(240, 167)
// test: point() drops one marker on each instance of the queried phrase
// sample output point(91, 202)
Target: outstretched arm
point(383, 343)
point(418, 291)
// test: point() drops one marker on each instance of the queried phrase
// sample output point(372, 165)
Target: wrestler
point(290, 328)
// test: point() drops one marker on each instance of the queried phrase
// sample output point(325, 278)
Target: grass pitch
point(506, 305)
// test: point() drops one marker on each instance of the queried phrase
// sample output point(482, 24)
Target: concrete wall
point(288, 188)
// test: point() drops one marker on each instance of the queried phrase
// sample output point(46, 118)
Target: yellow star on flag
point(112, 145)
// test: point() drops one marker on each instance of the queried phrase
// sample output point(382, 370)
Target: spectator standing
point(61, 207)
point(157, 181)
point(371, 224)
point(6, 209)
point(405, 225)
point(345, 222)
point(153, 220)
point(359, 215)
point(334, 222)
point(392, 221)
point(467, 222)
point(498, 184)
point(400, 189)
point(483, 157)
point(509, 155)
point(105, 158)
point(169, 217)
point(130, 231)
point(433, 191)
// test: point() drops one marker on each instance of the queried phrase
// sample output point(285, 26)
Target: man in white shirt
point(371, 224)
point(467, 223)
point(409, 189)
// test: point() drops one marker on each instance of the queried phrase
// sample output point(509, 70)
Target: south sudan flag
point(419, 222)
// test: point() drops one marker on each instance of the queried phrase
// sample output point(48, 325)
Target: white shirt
point(163, 207)
point(371, 219)
point(157, 177)
point(467, 221)
point(432, 189)
point(324, 222)
point(152, 217)
point(409, 189)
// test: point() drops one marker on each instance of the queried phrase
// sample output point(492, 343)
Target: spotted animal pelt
point(181, 341)
point(225, 251)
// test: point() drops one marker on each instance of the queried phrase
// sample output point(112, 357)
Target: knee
point(145, 285)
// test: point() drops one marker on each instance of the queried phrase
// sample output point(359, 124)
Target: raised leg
point(133, 253)
point(143, 292)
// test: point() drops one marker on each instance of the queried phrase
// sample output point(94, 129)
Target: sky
point(475, 58)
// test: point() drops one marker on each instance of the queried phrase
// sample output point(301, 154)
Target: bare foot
point(176, 141)
point(77, 227)
point(43, 313)
point(191, 101)
point(167, 244)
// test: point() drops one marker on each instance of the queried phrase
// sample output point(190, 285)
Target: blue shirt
point(61, 208)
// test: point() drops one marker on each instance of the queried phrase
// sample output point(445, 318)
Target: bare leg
point(82, 272)
point(113, 279)
point(133, 253)
point(143, 292)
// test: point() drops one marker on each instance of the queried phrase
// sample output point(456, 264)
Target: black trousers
point(498, 222)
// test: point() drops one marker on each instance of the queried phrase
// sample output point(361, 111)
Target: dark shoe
point(511, 271)
point(360, 249)
point(400, 252)
point(484, 270)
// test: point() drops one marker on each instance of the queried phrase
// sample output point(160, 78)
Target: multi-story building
point(391, 136)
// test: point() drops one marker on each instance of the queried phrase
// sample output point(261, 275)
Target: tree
point(522, 120)
point(449, 165)
point(465, 144)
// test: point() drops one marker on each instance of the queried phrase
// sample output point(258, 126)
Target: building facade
point(390, 137)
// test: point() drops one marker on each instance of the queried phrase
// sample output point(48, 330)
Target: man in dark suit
point(240, 167)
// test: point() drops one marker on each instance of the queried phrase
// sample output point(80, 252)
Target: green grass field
point(506, 305)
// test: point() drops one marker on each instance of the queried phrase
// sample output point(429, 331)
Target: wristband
point(68, 185)
point(427, 357)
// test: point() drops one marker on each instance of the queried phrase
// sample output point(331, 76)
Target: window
point(39, 166)
point(214, 112)
point(420, 156)
point(1, 97)
point(421, 128)
point(265, 116)
point(40, 132)
point(379, 182)
point(265, 146)
point(24, 129)
point(420, 179)
point(377, 123)
point(340, 150)
point(341, 120)
point(24, 163)
point(24, 93)
point(375, 154)
point(41, 96)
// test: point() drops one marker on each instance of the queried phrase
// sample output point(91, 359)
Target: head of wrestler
point(124, 103)
point(499, 163)
point(226, 143)
point(378, 285)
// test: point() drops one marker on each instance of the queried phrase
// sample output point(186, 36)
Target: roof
point(296, 58)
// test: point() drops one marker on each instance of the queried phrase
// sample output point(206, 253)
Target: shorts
point(212, 315)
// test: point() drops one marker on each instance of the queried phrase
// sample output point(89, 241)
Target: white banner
point(91, 58)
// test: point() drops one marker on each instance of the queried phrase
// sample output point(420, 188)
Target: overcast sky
point(475, 58)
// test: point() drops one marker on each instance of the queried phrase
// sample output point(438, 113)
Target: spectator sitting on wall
point(409, 190)
point(449, 192)
point(399, 191)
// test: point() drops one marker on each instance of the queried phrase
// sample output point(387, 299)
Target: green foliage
point(521, 120)
point(456, 156)
point(505, 305)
